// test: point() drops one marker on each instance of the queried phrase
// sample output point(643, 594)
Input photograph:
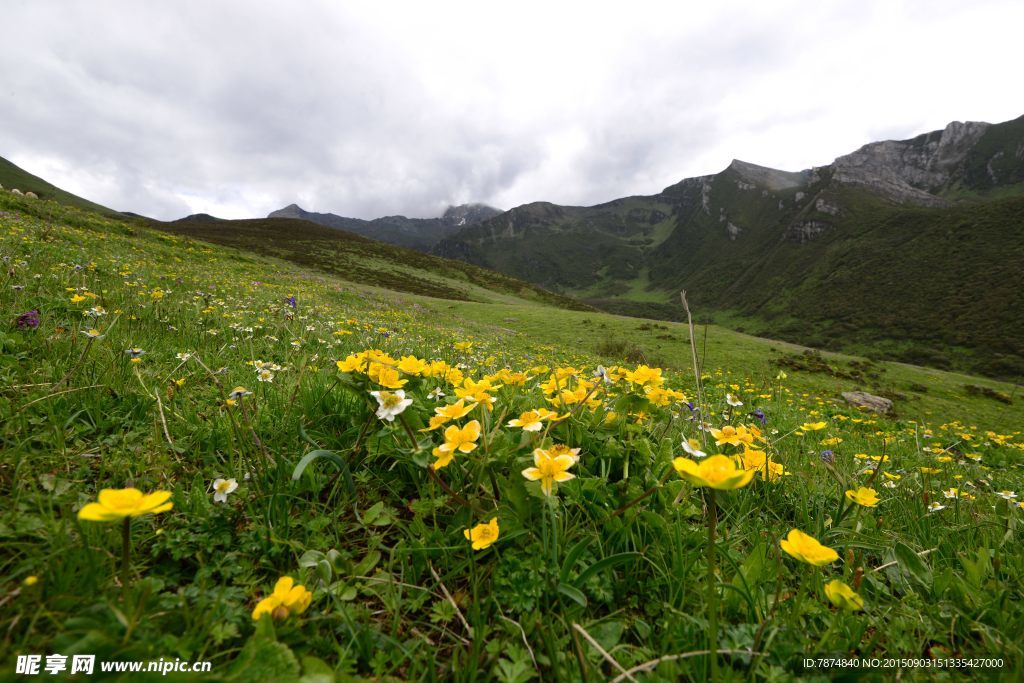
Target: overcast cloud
point(374, 108)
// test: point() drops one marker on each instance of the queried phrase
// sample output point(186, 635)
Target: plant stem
point(645, 494)
point(126, 551)
point(712, 587)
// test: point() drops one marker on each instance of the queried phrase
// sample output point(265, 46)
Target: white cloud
point(367, 109)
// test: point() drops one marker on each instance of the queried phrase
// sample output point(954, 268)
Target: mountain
point(13, 177)
point(421, 234)
point(361, 260)
point(910, 250)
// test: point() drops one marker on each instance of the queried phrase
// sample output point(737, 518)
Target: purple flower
point(759, 415)
point(28, 319)
point(828, 457)
point(291, 302)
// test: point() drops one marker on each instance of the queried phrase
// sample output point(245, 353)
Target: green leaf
point(573, 593)
point(315, 670)
point(573, 556)
point(913, 565)
point(331, 457)
point(367, 563)
point(601, 565)
point(264, 660)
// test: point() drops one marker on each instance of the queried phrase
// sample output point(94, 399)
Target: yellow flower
point(530, 421)
point(115, 504)
point(30, 581)
point(549, 469)
point(76, 298)
point(411, 365)
point(385, 376)
point(813, 426)
point(645, 375)
point(461, 439)
point(762, 464)
point(807, 549)
point(843, 596)
point(455, 410)
point(734, 436)
point(435, 422)
point(287, 599)
point(482, 535)
point(717, 472)
point(863, 496)
point(443, 458)
point(352, 364)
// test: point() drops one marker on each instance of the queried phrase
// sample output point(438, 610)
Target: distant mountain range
point(904, 249)
point(910, 249)
point(421, 234)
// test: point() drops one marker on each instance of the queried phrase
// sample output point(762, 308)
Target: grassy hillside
point(358, 259)
point(140, 358)
point(825, 264)
point(14, 177)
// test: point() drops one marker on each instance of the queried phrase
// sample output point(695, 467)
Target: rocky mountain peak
point(290, 211)
point(768, 178)
point(911, 170)
point(469, 214)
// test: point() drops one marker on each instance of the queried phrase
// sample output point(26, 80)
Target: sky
point(367, 109)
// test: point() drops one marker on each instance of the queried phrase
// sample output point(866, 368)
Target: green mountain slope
point(14, 177)
point(358, 259)
point(909, 250)
point(421, 234)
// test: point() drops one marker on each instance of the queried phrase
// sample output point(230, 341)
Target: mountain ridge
point(421, 234)
point(753, 244)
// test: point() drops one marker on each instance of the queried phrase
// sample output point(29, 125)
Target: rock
point(823, 206)
point(15, 191)
point(805, 231)
point(770, 178)
point(32, 195)
point(908, 171)
point(862, 399)
point(733, 231)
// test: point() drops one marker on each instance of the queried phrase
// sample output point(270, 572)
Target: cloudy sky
point(375, 108)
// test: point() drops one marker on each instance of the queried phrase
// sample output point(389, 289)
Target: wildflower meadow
point(213, 456)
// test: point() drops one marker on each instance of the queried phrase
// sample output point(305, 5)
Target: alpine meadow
point(757, 426)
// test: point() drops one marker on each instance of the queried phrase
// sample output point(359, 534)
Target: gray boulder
point(862, 399)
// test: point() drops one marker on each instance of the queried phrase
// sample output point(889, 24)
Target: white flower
point(602, 373)
point(436, 394)
point(890, 484)
point(184, 356)
point(732, 400)
point(935, 507)
point(390, 403)
point(221, 489)
point(265, 375)
point(951, 493)
point(692, 446)
point(1007, 495)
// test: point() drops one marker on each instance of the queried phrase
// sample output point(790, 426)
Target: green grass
point(357, 259)
point(610, 573)
point(929, 286)
point(13, 177)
